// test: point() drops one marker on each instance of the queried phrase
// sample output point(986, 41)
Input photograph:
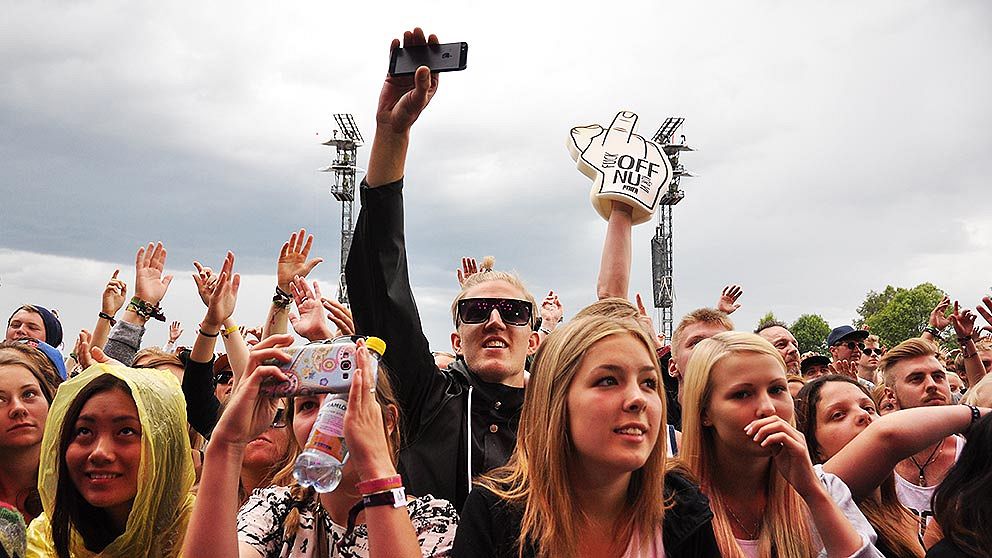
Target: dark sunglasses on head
point(852, 345)
point(511, 310)
point(224, 378)
point(869, 352)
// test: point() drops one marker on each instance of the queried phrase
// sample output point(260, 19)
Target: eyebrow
point(120, 418)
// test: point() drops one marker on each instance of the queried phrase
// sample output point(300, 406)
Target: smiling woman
point(116, 469)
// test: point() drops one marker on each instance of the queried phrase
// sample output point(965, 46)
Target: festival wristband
point(374, 486)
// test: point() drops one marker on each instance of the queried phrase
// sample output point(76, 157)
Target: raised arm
point(292, 263)
point(938, 320)
point(401, 101)
point(212, 528)
point(964, 328)
point(114, 295)
point(870, 457)
point(614, 266)
point(150, 287)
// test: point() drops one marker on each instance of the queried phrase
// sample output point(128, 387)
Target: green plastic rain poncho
point(161, 509)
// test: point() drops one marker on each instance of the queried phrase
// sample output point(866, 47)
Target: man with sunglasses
point(846, 343)
point(461, 421)
point(868, 361)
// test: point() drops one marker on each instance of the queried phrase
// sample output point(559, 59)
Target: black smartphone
point(449, 57)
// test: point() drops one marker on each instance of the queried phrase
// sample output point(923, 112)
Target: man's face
point(495, 350)
point(954, 381)
point(25, 325)
point(870, 356)
point(847, 349)
point(814, 371)
point(786, 345)
point(919, 382)
point(691, 336)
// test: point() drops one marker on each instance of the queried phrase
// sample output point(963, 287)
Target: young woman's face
point(842, 413)
point(265, 450)
point(747, 386)
point(23, 408)
point(614, 406)
point(304, 415)
point(105, 453)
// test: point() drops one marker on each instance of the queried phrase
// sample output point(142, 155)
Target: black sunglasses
point(869, 352)
point(224, 378)
point(511, 310)
point(851, 345)
point(279, 421)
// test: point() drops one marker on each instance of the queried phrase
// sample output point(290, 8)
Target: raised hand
point(403, 98)
point(647, 323)
point(224, 297)
point(87, 355)
point(310, 323)
point(551, 311)
point(844, 368)
point(247, 413)
point(963, 322)
point(469, 268)
point(114, 295)
point(728, 299)
point(293, 260)
point(364, 430)
point(938, 319)
point(205, 281)
point(986, 311)
point(175, 331)
point(149, 283)
point(340, 315)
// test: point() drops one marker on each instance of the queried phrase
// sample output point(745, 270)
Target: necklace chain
point(751, 535)
point(933, 457)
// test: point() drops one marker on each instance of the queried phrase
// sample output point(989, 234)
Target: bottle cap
point(376, 345)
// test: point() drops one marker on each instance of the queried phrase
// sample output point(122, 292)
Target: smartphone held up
point(448, 57)
point(323, 367)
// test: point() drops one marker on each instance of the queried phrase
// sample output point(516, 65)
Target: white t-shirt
point(917, 498)
point(261, 519)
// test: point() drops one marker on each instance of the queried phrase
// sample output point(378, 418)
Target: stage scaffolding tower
point(661, 244)
point(345, 169)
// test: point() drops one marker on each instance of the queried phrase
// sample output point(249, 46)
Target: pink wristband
point(374, 486)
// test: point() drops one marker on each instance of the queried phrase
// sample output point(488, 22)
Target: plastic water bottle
point(320, 464)
point(326, 453)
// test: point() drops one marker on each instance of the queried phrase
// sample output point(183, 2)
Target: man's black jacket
point(434, 404)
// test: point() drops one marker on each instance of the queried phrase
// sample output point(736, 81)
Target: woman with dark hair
point(116, 470)
point(962, 505)
point(843, 431)
point(27, 387)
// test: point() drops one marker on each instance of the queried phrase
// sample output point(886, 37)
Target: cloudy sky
point(840, 145)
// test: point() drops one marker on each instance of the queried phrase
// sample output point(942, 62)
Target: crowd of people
point(529, 436)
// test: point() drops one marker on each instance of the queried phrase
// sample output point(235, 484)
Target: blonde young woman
point(739, 439)
point(587, 477)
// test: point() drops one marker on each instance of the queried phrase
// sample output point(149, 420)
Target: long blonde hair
point(786, 530)
point(536, 478)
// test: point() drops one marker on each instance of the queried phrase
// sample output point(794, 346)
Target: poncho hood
point(162, 506)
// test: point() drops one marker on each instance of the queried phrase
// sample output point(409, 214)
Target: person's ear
point(456, 343)
point(705, 417)
point(533, 342)
point(673, 369)
point(392, 418)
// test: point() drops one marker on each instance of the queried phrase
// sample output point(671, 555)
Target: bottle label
point(327, 435)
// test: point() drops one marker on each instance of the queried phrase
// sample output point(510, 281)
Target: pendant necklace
point(751, 535)
point(933, 456)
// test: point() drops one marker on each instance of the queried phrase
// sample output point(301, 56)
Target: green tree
point(766, 319)
point(811, 331)
point(905, 314)
point(873, 303)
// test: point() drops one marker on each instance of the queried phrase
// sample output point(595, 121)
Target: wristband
point(205, 334)
point(374, 486)
point(230, 330)
point(975, 415)
point(108, 317)
point(282, 299)
point(395, 498)
point(145, 309)
point(965, 353)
